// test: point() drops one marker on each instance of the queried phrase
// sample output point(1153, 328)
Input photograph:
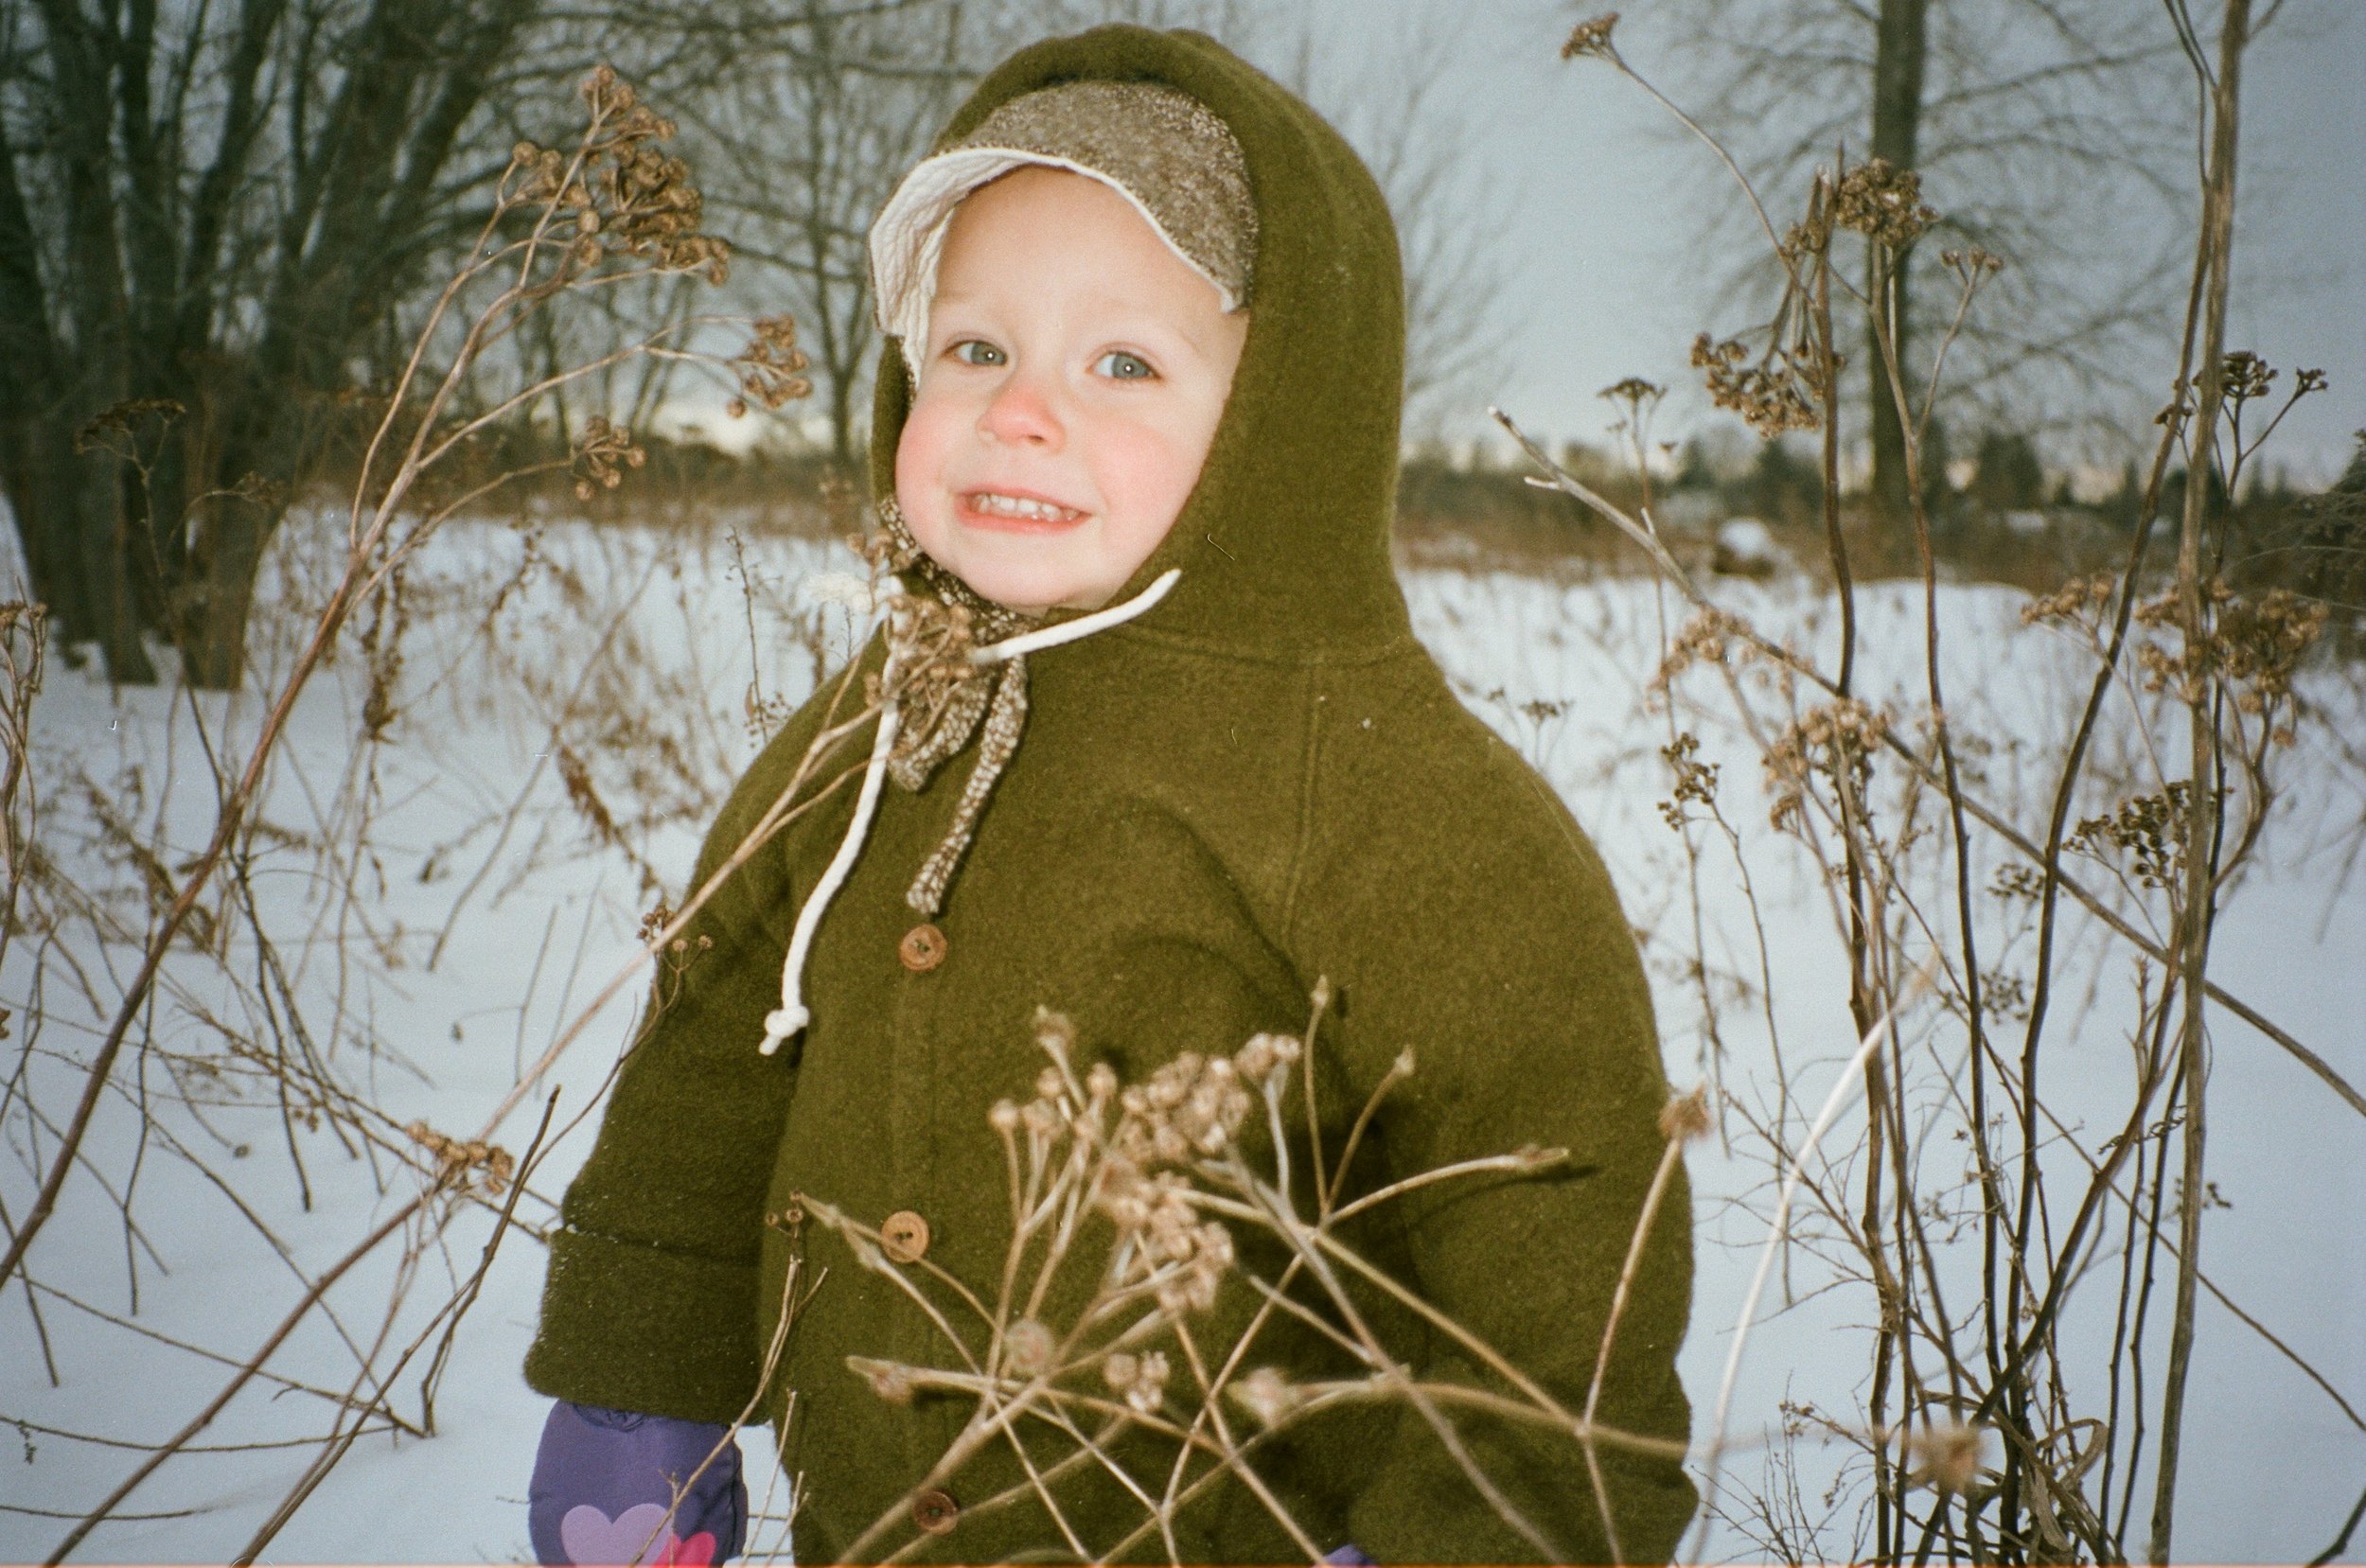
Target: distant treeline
point(2010, 521)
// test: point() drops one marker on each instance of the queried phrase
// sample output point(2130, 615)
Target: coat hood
point(1283, 546)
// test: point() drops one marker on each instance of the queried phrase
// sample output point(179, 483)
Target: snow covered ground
point(556, 678)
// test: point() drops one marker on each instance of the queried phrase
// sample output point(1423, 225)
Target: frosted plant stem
point(1988, 816)
point(2203, 823)
point(1651, 1199)
point(1843, 1087)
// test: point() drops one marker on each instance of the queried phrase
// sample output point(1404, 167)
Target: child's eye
point(986, 354)
point(1121, 366)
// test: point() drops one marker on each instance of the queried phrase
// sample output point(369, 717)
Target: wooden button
point(905, 1237)
point(935, 1511)
point(922, 949)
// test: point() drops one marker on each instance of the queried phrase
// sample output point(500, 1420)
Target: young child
point(1145, 360)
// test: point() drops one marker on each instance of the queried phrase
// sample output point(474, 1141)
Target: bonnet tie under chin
point(913, 762)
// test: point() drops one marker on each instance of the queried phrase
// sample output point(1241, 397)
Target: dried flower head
point(1773, 394)
point(1946, 1459)
point(1591, 39)
point(114, 428)
point(1686, 1117)
point(770, 367)
point(1149, 1387)
point(1027, 1347)
point(1711, 637)
point(1193, 1104)
point(1634, 392)
point(2253, 646)
point(2148, 829)
point(621, 195)
point(2077, 599)
point(1806, 239)
point(891, 1382)
point(602, 453)
point(2244, 376)
point(1696, 781)
point(1970, 266)
point(456, 1158)
point(1265, 1054)
point(1836, 740)
point(1055, 1032)
point(1267, 1395)
point(1876, 197)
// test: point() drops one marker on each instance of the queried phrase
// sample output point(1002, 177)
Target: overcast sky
point(1594, 193)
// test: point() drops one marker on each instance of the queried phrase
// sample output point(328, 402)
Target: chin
point(1029, 586)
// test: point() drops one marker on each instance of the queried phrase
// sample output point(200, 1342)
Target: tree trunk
point(72, 535)
point(1898, 75)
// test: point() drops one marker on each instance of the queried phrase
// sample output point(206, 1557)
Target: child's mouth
point(1006, 512)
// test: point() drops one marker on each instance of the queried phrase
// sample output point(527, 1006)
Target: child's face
point(1074, 359)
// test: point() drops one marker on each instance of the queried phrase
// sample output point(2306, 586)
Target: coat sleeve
point(1464, 915)
point(650, 1300)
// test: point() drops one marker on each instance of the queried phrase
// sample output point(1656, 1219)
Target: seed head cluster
point(770, 367)
point(2147, 829)
point(457, 1159)
point(1268, 1396)
point(1878, 198)
point(618, 193)
point(2076, 600)
point(1773, 392)
point(1591, 39)
point(2253, 646)
point(1713, 636)
point(1837, 740)
point(114, 428)
point(603, 452)
point(1142, 1379)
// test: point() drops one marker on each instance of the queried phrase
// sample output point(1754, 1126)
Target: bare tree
point(807, 146)
point(206, 213)
point(1386, 100)
point(2049, 132)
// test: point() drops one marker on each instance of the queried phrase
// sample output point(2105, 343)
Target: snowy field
point(568, 705)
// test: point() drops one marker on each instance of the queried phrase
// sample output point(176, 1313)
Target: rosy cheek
point(920, 450)
point(1151, 471)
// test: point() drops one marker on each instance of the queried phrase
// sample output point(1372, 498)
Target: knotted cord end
point(779, 1024)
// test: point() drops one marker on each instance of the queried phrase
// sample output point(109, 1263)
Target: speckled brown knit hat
point(1162, 150)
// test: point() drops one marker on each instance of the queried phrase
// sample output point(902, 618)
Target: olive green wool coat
point(1263, 781)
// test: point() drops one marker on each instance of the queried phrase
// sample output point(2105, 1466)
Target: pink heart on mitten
point(591, 1538)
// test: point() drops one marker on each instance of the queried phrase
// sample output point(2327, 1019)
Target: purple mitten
point(602, 1480)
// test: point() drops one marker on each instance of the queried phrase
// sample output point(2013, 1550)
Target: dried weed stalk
point(606, 212)
point(1983, 1435)
point(1138, 1192)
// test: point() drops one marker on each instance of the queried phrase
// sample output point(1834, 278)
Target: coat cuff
point(640, 1328)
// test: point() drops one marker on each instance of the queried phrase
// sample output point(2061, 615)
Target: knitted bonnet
point(1162, 150)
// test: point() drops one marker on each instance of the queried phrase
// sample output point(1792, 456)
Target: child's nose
point(1021, 413)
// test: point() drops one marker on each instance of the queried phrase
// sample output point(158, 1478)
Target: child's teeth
point(1013, 507)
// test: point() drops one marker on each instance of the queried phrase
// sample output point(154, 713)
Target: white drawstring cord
point(792, 1015)
point(1084, 625)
